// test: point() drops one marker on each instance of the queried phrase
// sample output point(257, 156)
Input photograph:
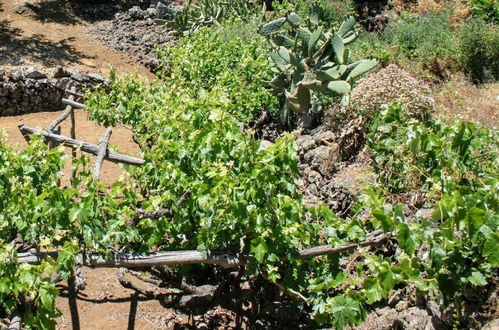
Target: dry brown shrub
point(392, 84)
point(459, 98)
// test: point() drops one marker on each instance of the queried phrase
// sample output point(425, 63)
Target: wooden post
point(103, 142)
point(72, 130)
point(52, 144)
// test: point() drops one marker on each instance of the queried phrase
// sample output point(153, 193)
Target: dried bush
point(392, 84)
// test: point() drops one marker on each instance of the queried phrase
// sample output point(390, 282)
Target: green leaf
point(284, 54)
point(346, 26)
point(314, 38)
point(278, 61)
point(304, 34)
point(491, 249)
point(294, 19)
point(406, 239)
point(272, 26)
point(477, 279)
point(339, 47)
point(259, 249)
point(362, 67)
point(339, 87)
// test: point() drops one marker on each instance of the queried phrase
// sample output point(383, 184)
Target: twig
point(132, 286)
point(328, 249)
point(156, 214)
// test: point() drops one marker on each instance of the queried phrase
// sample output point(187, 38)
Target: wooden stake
point(72, 92)
point(72, 103)
point(72, 131)
point(135, 260)
point(103, 142)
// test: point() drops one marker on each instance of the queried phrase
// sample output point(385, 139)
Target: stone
point(265, 144)
point(424, 214)
point(95, 77)
point(325, 136)
point(18, 75)
point(314, 176)
point(151, 12)
point(34, 74)
point(136, 13)
point(305, 143)
point(60, 72)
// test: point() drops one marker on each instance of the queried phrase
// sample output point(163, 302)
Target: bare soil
point(48, 34)
point(86, 130)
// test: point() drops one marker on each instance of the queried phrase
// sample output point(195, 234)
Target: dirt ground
point(47, 34)
point(121, 139)
point(105, 304)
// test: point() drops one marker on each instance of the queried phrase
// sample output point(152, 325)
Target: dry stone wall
point(27, 90)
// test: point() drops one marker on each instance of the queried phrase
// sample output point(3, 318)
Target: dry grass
point(460, 9)
point(459, 98)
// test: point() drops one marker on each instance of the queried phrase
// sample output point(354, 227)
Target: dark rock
point(96, 77)
point(18, 75)
point(60, 73)
point(136, 13)
point(34, 74)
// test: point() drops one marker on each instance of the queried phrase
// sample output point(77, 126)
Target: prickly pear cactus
point(308, 59)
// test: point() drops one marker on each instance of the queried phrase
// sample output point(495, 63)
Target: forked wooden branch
point(84, 146)
point(62, 117)
point(103, 142)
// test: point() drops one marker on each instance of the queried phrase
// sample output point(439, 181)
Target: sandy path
point(51, 36)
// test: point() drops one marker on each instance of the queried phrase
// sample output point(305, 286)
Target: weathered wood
point(60, 119)
point(328, 249)
point(74, 104)
point(79, 276)
point(15, 322)
point(72, 133)
point(103, 142)
point(135, 260)
point(73, 92)
point(84, 146)
point(225, 260)
point(53, 144)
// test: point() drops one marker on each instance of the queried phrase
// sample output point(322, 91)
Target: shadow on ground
point(16, 49)
point(73, 11)
point(51, 11)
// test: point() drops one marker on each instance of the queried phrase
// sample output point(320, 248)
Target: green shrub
point(429, 40)
point(486, 9)
point(479, 50)
point(423, 37)
point(330, 12)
